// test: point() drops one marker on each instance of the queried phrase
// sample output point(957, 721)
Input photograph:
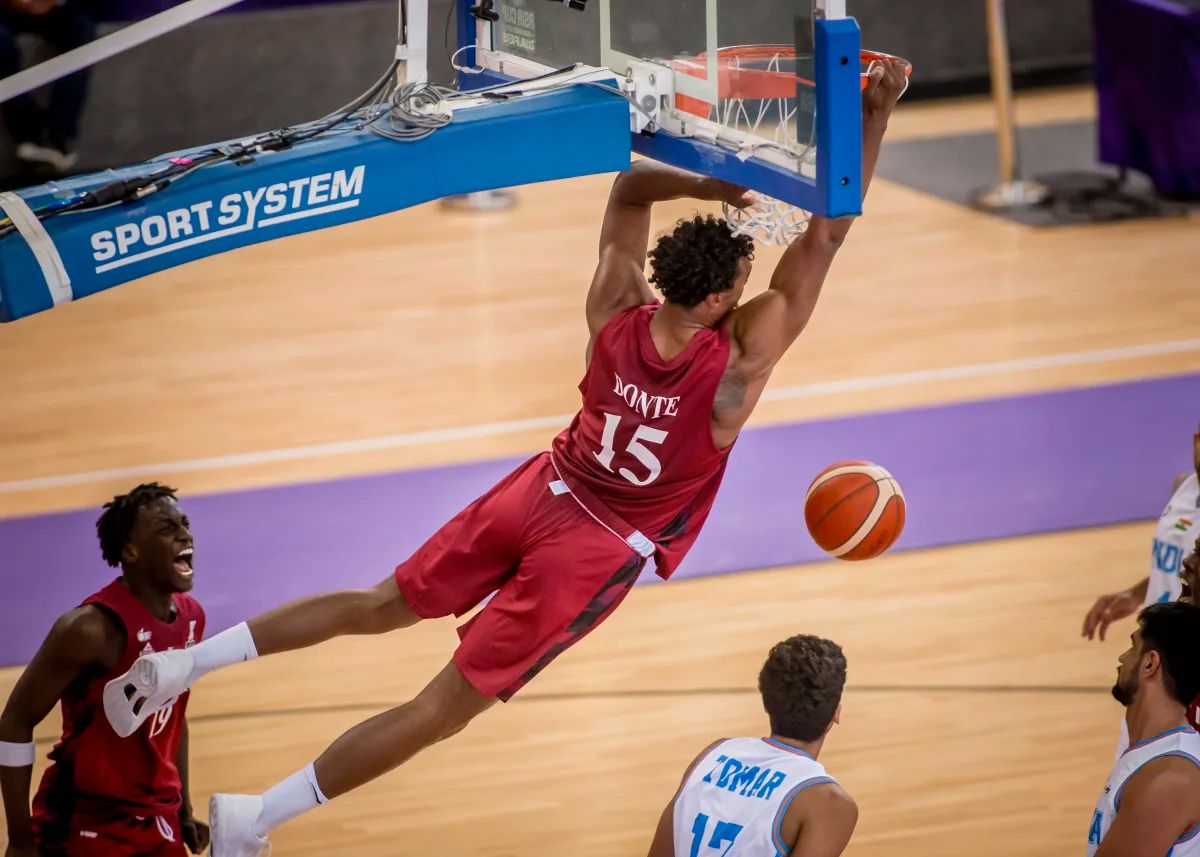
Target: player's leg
point(451, 573)
point(571, 577)
point(240, 823)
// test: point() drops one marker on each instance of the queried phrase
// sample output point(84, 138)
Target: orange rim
point(737, 81)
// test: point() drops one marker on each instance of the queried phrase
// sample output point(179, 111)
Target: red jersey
point(642, 442)
point(96, 774)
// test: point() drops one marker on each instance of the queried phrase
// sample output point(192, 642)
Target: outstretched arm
point(620, 281)
point(765, 327)
point(78, 640)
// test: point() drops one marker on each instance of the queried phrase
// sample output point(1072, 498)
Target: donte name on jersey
point(650, 406)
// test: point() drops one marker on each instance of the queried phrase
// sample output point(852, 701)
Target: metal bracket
point(653, 87)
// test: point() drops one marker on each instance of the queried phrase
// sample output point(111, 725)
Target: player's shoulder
point(85, 631)
point(827, 798)
point(824, 801)
point(1190, 480)
point(1163, 777)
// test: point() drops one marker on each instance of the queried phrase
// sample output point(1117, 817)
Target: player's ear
point(837, 716)
point(129, 554)
point(1151, 663)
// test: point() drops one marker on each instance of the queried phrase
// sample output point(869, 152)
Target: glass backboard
point(753, 116)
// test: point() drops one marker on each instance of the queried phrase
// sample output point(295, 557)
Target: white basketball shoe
point(231, 820)
point(151, 684)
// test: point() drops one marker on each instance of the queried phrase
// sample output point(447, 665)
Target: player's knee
point(384, 609)
point(445, 712)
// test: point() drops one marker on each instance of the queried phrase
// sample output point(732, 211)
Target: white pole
point(109, 46)
point(413, 49)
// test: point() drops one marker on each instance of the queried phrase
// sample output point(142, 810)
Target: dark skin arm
point(195, 832)
point(763, 329)
point(81, 642)
point(620, 280)
point(1113, 607)
point(1160, 803)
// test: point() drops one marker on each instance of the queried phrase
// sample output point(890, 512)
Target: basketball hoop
point(758, 90)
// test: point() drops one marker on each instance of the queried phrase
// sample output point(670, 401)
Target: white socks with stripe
point(231, 646)
point(294, 796)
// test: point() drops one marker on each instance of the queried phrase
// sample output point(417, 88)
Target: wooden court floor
point(976, 720)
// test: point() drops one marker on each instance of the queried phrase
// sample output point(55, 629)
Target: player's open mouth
point(183, 562)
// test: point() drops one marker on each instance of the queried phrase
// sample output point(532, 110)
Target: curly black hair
point(1173, 630)
point(698, 258)
point(801, 685)
point(120, 515)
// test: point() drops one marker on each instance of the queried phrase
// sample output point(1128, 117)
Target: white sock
point(231, 646)
point(284, 801)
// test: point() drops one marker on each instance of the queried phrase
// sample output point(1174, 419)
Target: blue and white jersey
point(1173, 540)
point(1184, 742)
point(734, 800)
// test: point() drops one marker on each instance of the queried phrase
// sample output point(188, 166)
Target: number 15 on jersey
point(636, 446)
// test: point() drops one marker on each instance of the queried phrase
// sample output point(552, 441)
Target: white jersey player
point(1178, 528)
point(746, 797)
point(1151, 802)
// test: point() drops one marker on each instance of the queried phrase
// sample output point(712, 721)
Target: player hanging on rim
point(103, 796)
point(762, 796)
point(562, 539)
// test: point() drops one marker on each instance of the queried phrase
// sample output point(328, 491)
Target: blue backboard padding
point(325, 182)
point(839, 117)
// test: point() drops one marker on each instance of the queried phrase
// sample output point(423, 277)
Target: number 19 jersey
point(642, 442)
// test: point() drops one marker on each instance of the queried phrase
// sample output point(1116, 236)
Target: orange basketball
point(854, 510)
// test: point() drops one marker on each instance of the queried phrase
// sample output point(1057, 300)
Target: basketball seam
point(872, 470)
point(869, 524)
point(816, 525)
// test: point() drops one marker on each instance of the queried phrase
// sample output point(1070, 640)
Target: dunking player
point(1151, 802)
point(103, 796)
point(562, 539)
point(759, 796)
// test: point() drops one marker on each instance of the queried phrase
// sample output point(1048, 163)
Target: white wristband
point(17, 755)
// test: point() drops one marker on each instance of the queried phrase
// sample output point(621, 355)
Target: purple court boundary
point(976, 470)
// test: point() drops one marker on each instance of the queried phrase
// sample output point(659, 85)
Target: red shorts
point(122, 836)
point(557, 569)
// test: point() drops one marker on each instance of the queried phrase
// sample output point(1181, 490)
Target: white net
point(764, 109)
point(768, 220)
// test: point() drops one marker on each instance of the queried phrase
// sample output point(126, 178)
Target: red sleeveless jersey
point(642, 442)
point(96, 774)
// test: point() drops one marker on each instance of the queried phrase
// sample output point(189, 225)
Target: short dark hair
point(698, 258)
point(801, 685)
point(120, 515)
point(1173, 630)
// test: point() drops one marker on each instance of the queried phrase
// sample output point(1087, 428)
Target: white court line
point(395, 441)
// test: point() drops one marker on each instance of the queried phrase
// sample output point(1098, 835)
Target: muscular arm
point(619, 281)
point(1160, 803)
point(820, 821)
point(79, 641)
point(766, 326)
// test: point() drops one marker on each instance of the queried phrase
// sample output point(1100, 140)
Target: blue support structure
point(839, 118)
point(340, 178)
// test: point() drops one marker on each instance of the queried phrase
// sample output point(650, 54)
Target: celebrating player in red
point(103, 796)
point(561, 540)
